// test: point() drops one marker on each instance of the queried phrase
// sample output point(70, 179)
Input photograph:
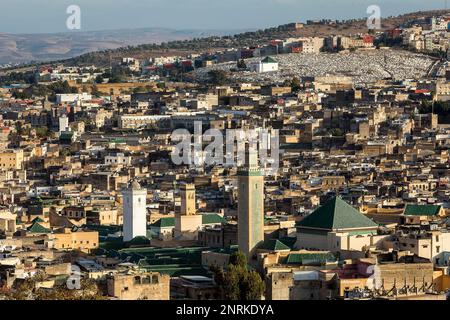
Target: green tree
point(336, 132)
point(294, 83)
point(253, 286)
point(238, 283)
point(99, 79)
point(238, 259)
point(241, 64)
point(21, 94)
point(43, 132)
point(217, 77)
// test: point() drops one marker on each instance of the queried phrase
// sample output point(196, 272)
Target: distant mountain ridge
point(87, 47)
point(24, 48)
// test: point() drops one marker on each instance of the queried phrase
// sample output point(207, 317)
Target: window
point(146, 280)
point(438, 249)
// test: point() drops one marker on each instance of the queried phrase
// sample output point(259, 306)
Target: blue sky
point(39, 16)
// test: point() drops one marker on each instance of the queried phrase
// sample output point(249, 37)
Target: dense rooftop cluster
point(356, 205)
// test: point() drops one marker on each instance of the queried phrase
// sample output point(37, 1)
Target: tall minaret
point(187, 199)
point(134, 211)
point(187, 221)
point(250, 204)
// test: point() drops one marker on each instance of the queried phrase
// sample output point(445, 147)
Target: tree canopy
point(238, 282)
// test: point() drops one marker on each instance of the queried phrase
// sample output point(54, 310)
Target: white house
point(266, 65)
point(72, 97)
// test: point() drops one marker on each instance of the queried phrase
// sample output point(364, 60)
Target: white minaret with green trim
point(250, 204)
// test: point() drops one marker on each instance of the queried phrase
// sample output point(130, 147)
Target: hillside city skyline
point(306, 160)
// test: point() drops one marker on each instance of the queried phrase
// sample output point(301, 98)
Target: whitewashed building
point(134, 212)
point(267, 64)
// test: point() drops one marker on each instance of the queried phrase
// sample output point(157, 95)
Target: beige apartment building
point(443, 91)
point(11, 159)
point(375, 149)
point(7, 221)
point(68, 240)
point(333, 182)
point(428, 245)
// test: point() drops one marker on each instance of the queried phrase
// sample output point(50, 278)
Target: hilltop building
point(267, 64)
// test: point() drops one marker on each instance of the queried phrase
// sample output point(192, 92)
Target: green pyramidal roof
point(37, 228)
point(274, 245)
point(37, 219)
point(268, 60)
point(336, 214)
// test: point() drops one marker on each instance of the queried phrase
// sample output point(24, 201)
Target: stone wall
point(400, 274)
point(143, 286)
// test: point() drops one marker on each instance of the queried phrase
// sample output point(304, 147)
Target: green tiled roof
point(336, 214)
point(37, 219)
point(37, 228)
point(164, 223)
point(103, 230)
point(421, 210)
point(175, 270)
point(66, 135)
point(268, 60)
point(274, 245)
point(212, 218)
point(227, 250)
point(310, 258)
